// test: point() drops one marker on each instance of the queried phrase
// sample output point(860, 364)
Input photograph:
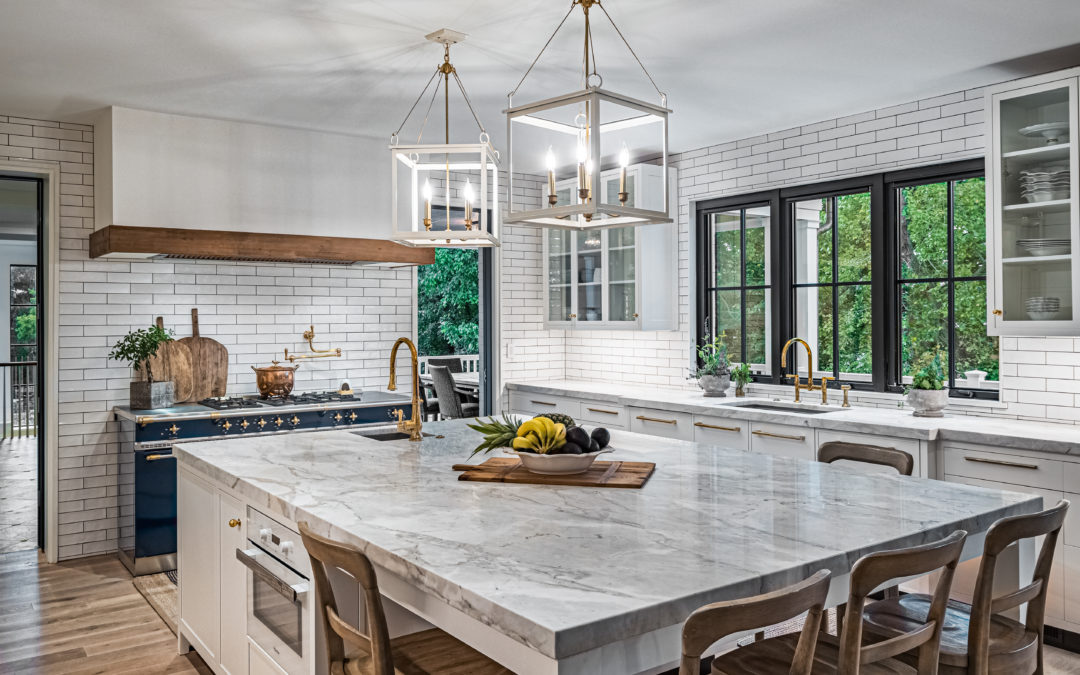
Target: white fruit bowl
point(558, 465)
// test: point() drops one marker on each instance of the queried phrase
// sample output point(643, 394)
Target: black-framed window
point(739, 292)
point(941, 281)
point(24, 312)
point(878, 272)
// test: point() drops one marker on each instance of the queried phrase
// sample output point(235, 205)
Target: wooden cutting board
point(209, 363)
point(172, 362)
point(600, 474)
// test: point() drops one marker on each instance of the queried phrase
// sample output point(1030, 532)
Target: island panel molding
point(569, 574)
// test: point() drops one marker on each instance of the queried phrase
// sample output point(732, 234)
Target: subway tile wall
point(255, 310)
point(1040, 376)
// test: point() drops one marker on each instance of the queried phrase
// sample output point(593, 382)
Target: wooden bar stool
point(835, 451)
point(720, 619)
point(787, 653)
point(430, 651)
point(977, 639)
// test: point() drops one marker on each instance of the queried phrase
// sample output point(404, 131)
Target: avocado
point(577, 436)
point(593, 445)
point(602, 436)
point(571, 449)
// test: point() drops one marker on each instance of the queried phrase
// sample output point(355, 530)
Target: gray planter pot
point(928, 402)
point(715, 386)
point(149, 395)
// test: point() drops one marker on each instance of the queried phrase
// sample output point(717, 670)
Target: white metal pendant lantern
point(589, 151)
point(445, 195)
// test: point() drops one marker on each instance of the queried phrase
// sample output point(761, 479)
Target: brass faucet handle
point(845, 388)
point(824, 379)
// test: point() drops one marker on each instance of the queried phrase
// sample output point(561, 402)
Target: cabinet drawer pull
point(657, 420)
point(158, 458)
point(542, 403)
point(784, 436)
point(718, 428)
point(1001, 462)
point(601, 410)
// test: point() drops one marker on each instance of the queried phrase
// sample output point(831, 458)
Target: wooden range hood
point(173, 243)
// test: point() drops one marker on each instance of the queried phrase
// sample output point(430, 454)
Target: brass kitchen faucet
point(413, 426)
point(810, 386)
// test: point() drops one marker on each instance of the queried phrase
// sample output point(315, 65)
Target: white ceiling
point(732, 68)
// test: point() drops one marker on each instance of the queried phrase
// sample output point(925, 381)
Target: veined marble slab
point(1020, 434)
point(564, 569)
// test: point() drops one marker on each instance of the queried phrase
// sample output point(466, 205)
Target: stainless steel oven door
point(278, 602)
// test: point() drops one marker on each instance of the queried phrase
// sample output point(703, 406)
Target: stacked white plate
point(1042, 309)
point(1044, 247)
point(1044, 183)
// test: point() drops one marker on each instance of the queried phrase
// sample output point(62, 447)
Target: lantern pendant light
point(600, 158)
point(444, 195)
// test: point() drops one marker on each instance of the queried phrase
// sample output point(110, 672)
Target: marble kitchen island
point(562, 579)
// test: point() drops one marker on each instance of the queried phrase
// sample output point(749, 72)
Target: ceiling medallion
point(444, 195)
point(599, 158)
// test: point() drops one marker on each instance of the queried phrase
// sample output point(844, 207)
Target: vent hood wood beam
point(164, 242)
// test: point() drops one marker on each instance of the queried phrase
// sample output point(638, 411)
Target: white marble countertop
point(1040, 436)
point(564, 570)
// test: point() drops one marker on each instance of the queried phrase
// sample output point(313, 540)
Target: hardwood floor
point(18, 494)
point(84, 617)
point(81, 617)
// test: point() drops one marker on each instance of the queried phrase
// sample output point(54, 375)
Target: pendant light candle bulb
point(468, 204)
point(427, 204)
point(624, 161)
point(549, 160)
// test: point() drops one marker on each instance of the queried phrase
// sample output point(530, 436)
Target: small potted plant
point(136, 348)
point(927, 395)
point(742, 376)
point(714, 373)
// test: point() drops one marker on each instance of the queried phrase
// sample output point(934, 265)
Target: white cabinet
point(198, 565)
point(1032, 213)
point(604, 414)
point(908, 445)
point(212, 585)
point(723, 432)
point(782, 440)
point(528, 403)
point(664, 423)
point(622, 277)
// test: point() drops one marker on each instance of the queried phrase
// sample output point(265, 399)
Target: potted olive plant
point(714, 372)
point(136, 348)
point(927, 395)
point(742, 376)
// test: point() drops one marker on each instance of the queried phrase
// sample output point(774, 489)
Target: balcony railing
point(19, 404)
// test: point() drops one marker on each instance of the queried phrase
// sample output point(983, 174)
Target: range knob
point(265, 533)
point(286, 547)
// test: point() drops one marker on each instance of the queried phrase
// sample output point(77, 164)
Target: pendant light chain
point(585, 5)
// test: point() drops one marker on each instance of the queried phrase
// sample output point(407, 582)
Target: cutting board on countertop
point(172, 362)
point(611, 474)
point(209, 363)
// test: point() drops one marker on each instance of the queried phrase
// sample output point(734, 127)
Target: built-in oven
point(280, 593)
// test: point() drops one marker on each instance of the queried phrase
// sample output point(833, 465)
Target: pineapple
point(559, 418)
point(497, 434)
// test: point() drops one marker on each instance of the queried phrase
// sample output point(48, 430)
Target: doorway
point(22, 481)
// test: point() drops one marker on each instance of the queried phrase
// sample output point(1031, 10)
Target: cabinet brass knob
point(996, 312)
point(573, 316)
point(234, 522)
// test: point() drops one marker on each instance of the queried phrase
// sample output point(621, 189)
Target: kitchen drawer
point(724, 432)
point(1011, 469)
point(964, 584)
point(604, 414)
point(908, 445)
point(1072, 589)
point(1071, 531)
point(528, 402)
point(782, 440)
point(662, 423)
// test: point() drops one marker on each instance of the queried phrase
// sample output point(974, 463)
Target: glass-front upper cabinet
point(622, 277)
point(1032, 207)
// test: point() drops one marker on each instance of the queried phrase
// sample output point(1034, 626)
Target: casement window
point(879, 274)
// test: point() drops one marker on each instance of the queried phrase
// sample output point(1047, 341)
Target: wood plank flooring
point(84, 617)
point(18, 494)
point(81, 617)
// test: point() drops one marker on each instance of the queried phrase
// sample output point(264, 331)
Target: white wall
point(1040, 377)
point(255, 309)
point(158, 170)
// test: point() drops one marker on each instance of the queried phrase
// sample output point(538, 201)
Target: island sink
point(386, 435)
point(797, 408)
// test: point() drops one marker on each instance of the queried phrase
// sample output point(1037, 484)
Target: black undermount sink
point(387, 435)
point(794, 408)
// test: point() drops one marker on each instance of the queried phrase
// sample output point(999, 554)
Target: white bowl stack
point(1042, 309)
point(1045, 183)
point(1044, 247)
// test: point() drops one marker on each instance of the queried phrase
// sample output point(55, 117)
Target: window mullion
point(835, 203)
point(951, 285)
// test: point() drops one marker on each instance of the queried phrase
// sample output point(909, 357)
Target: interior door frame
point(49, 343)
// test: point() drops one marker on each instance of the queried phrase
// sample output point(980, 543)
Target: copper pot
point(275, 380)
